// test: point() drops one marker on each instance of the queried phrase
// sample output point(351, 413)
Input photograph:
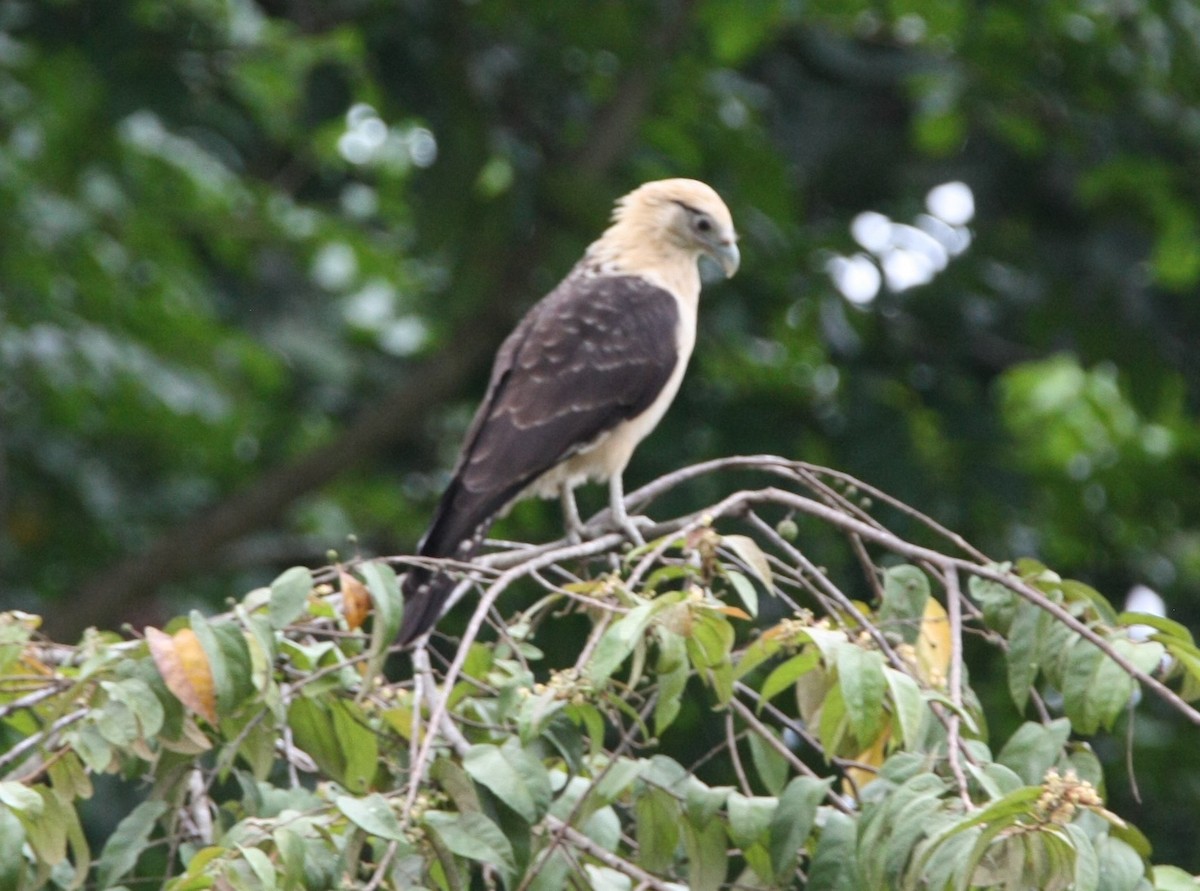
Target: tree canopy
point(255, 258)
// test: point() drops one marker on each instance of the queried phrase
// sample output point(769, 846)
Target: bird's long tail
point(459, 524)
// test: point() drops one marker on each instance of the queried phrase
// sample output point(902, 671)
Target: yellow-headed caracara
point(585, 376)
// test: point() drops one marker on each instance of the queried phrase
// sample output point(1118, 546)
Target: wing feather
point(594, 352)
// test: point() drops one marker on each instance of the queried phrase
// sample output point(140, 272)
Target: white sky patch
point(953, 202)
point(335, 266)
point(857, 277)
point(904, 255)
point(368, 139)
point(904, 269)
point(872, 230)
point(422, 146)
point(359, 200)
point(372, 307)
point(403, 336)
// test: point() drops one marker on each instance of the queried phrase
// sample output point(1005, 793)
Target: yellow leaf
point(356, 601)
point(734, 611)
point(859, 777)
point(184, 667)
point(933, 645)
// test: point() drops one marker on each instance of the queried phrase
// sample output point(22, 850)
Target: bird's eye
point(703, 224)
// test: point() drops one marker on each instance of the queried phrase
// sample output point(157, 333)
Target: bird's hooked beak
point(727, 254)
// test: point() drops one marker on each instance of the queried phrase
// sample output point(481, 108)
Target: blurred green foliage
point(262, 251)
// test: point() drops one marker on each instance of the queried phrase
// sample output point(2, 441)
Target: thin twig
point(609, 859)
point(497, 587)
point(954, 680)
point(44, 736)
point(734, 757)
point(737, 502)
point(49, 687)
point(788, 755)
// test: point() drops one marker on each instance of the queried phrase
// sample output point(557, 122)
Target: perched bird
point(584, 377)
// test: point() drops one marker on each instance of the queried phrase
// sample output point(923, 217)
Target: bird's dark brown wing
point(594, 352)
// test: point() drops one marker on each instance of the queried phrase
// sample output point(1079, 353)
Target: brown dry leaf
point(933, 645)
point(184, 667)
point(356, 602)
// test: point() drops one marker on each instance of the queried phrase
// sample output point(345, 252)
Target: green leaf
point(1035, 748)
point(951, 864)
point(373, 815)
point(1095, 688)
point(997, 601)
point(228, 658)
point(709, 648)
point(1188, 659)
point(771, 766)
point(786, 673)
point(1086, 875)
point(618, 777)
point(1120, 867)
point(1074, 591)
point(999, 813)
point(592, 721)
point(657, 829)
point(20, 797)
point(603, 878)
point(388, 605)
point(474, 837)
point(92, 748)
point(622, 636)
point(563, 734)
point(834, 864)
point(749, 817)
point(745, 591)
point(707, 861)
point(260, 864)
point(49, 824)
point(1172, 629)
point(673, 673)
point(860, 675)
point(358, 743)
point(908, 706)
point(291, 850)
point(516, 777)
point(127, 842)
point(1133, 837)
point(143, 704)
point(905, 592)
point(759, 651)
point(752, 556)
point(12, 861)
point(312, 731)
point(702, 802)
point(289, 595)
point(116, 723)
point(1021, 658)
point(1172, 878)
point(793, 821)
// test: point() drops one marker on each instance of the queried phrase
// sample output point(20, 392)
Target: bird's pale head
point(677, 215)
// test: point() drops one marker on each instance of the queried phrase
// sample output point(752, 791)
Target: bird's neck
point(624, 251)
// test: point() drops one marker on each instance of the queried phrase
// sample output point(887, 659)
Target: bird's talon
point(629, 525)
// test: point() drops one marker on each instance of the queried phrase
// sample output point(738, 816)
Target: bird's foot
point(632, 527)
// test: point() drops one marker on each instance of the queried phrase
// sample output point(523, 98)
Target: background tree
point(254, 258)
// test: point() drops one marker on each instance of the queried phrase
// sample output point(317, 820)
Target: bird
point(586, 374)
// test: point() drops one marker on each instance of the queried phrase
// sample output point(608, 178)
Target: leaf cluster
point(849, 748)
